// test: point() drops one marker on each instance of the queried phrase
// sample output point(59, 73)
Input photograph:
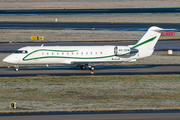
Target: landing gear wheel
point(92, 68)
point(16, 67)
point(83, 67)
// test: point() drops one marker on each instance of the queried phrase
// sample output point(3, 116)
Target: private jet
point(86, 56)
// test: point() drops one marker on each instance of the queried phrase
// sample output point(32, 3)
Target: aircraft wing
point(95, 62)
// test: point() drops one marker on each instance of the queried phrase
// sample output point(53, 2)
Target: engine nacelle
point(124, 50)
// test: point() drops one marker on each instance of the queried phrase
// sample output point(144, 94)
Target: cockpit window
point(21, 51)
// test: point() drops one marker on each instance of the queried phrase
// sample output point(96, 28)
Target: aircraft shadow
point(96, 68)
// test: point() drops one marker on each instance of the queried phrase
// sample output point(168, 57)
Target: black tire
point(83, 67)
point(92, 68)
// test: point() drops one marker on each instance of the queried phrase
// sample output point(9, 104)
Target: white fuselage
point(69, 55)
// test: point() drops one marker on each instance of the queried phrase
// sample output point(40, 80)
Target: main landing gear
point(83, 67)
point(91, 67)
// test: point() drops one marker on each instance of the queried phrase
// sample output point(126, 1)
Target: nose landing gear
point(16, 68)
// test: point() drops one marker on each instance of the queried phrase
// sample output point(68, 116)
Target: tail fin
point(146, 44)
point(150, 38)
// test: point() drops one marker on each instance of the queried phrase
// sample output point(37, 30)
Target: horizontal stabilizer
point(160, 30)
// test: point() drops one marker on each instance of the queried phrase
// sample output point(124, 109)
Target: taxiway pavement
point(91, 11)
point(99, 70)
point(162, 45)
point(87, 26)
point(114, 115)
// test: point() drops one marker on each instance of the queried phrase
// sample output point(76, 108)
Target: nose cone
point(10, 59)
point(7, 60)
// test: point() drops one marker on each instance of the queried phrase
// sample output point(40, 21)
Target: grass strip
point(82, 93)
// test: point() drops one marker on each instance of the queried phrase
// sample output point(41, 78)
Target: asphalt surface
point(162, 45)
point(90, 11)
point(99, 70)
point(86, 26)
point(112, 115)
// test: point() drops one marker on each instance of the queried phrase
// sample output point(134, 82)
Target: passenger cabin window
point(21, 51)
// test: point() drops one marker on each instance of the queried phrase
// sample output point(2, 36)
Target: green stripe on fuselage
point(149, 40)
point(69, 57)
point(24, 59)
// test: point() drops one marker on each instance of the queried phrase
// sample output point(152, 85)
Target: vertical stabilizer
point(149, 39)
point(147, 43)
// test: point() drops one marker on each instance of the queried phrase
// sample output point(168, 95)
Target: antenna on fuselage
point(42, 45)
